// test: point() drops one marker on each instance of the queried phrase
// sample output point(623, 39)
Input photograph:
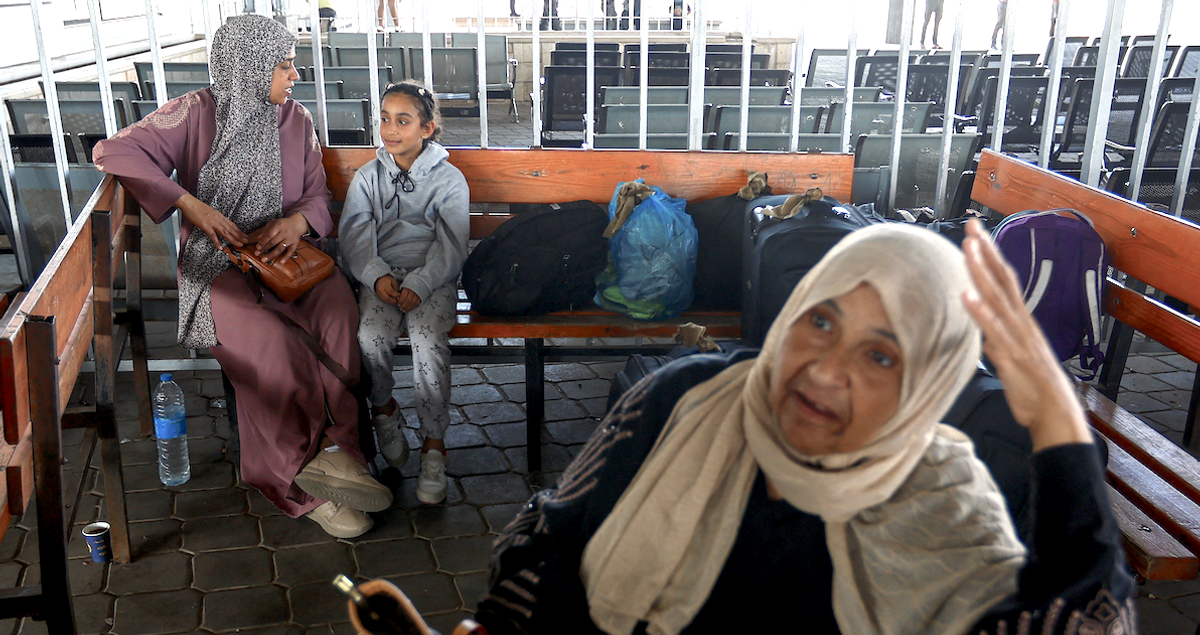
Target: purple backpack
point(1061, 264)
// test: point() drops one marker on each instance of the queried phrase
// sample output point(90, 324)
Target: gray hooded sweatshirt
point(424, 231)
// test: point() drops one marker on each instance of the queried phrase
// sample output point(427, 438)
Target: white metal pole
point(1106, 73)
point(999, 115)
point(373, 74)
point(319, 74)
point(747, 50)
point(106, 98)
point(950, 110)
point(906, 25)
point(481, 80)
point(9, 176)
point(589, 121)
point(206, 17)
point(426, 47)
point(851, 61)
point(1149, 100)
point(1050, 107)
point(644, 76)
point(696, 77)
point(797, 60)
point(156, 61)
point(1185, 154)
point(56, 129)
point(536, 72)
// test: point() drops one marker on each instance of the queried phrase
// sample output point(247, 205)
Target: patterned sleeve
point(1076, 580)
point(145, 153)
point(535, 585)
point(314, 204)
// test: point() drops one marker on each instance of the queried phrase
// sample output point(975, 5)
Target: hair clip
point(421, 91)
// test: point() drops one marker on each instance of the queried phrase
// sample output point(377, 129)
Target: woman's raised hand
point(1039, 391)
point(280, 237)
point(214, 224)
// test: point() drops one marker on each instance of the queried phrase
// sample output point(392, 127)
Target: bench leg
point(1191, 440)
point(56, 605)
point(137, 325)
point(1119, 341)
point(535, 401)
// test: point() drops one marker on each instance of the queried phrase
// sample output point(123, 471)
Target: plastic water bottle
point(170, 426)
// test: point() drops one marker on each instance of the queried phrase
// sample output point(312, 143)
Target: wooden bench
point(555, 176)
point(45, 336)
point(1154, 484)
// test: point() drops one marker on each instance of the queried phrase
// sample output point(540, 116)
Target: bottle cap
point(164, 377)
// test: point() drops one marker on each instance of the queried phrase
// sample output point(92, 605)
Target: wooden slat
point(1152, 552)
point(18, 475)
point(1166, 459)
point(1179, 332)
point(1156, 248)
point(554, 176)
point(1167, 506)
point(74, 351)
point(483, 225)
point(590, 323)
point(14, 394)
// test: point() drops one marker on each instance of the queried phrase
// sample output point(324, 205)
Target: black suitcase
point(719, 224)
point(777, 253)
point(638, 366)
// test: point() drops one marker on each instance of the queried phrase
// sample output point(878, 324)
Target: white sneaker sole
point(360, 496)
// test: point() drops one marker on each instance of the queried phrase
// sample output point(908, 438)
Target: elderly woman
point(250, 171)
point(811, 488)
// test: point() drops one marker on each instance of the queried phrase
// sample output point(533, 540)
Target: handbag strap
point(311, 342)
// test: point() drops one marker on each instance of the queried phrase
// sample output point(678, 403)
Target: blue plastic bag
point(652, 259)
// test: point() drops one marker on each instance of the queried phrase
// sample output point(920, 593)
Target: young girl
point(404, 232)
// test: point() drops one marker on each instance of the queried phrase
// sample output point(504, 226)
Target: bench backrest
point(1158, 249)
point(555, 176)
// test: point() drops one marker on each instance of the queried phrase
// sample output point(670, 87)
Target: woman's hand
point(1039, 392)
point(214, 224)
point(280, 237)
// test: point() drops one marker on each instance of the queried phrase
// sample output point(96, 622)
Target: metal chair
point(920, 157)
point(174, 72)
point(350, 118)
point(499, 69)
point(356, 80)
point(777, 142)
point(308, 90)
point(824, 96)
point(827, 67)
point(385, 56)
point(564, 107)
point(765, 119)
point(174, 89)
point(876, 118)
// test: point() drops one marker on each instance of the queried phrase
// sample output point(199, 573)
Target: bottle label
point(170, 428)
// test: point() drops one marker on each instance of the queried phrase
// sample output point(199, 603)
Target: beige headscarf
point(916, 529)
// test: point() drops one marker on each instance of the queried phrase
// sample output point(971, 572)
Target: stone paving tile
point(1164, 618)
point(465, 376)
point(317, 603)
point(233, 568)
point(475, 461)
point(159, 572)
point(503, 412)
point(479, 393)
point(87, 577)
point(156, 536)
point(1138, 403)
point(94, 613)
point(1173, 398)
point(575, 431)
point(498, 516)
point(394, 557)
point(1174, 420)
point(205, 504)
point(209, 476)
point(555, 457)
point(499, 488)
point(516, 392)
point(161, 612)
point(1138, 382)
point(1179, 379)
point(241, 608)
point(391, 524)
point(1146, 364)
point(279, 532)
point(445, 522)
point(149, 505)
point(406, 495)
point(568, 372)
point(1178, 361)
point(586, 389)
point(508, 374)
point(471, 587)
point(221, 532)
point(507, 435)
point(464, 436)
point(313, 562)
point(460, 555)
point(429, 592)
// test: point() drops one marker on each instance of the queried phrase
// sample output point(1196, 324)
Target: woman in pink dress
point(249, 169)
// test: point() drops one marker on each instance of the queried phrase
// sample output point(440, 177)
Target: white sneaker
point(392, 443)
point(431, 484)
point(340, 521)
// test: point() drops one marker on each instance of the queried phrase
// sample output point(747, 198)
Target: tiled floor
point(214, 556)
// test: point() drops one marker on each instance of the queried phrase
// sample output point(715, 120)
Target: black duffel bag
point(542, 260)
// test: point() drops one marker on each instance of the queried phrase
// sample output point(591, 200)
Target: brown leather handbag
point(287, 278)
